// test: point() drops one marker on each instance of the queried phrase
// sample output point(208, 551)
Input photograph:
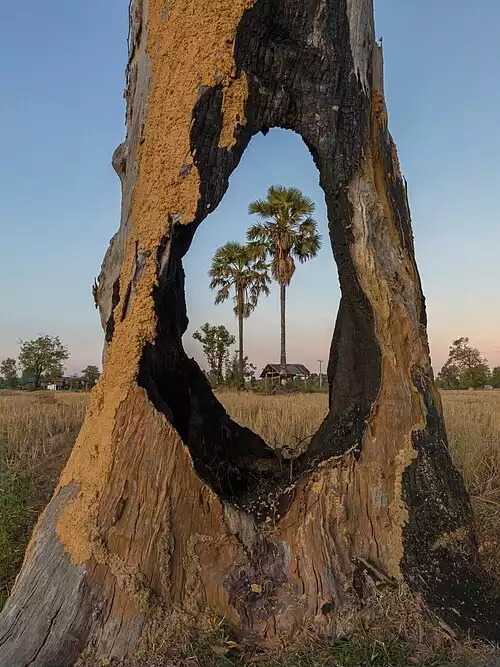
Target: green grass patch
point(23, 495)
point(352, 651)
point(17, 518)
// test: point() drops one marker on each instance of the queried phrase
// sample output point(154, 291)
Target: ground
point(37, 431)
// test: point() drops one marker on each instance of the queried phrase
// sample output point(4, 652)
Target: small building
point(293, 372)
point(53, 385)
point(64, 383)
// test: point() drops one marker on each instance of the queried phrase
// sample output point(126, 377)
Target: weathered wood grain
point(46, 620)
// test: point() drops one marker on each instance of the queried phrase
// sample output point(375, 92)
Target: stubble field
point(37, 431)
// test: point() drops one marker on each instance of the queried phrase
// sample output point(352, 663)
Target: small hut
point(293, 372)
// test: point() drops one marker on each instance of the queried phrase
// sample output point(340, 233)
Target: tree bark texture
point(241, 355)
point(166, 503)
point(283, 374)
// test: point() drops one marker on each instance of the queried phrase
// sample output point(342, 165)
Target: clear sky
point(62, 114)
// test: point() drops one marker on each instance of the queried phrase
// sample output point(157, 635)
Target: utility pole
point(320, 361)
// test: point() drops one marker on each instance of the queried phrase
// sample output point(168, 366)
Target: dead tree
point(166, 503)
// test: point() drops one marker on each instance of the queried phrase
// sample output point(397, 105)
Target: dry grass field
point(37, 431)
point(472, 420)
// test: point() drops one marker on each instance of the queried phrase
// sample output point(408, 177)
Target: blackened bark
point(241, 357)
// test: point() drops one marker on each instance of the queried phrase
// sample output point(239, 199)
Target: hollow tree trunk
point(283, 373)
point(166, 504)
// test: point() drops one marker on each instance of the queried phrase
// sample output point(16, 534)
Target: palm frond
point(307, 242)
point(257, 250)
point(259, 232)
point(261, 207)
point(282, 269)
point(222, 295)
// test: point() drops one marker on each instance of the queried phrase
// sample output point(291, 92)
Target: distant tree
point(448, 377)
point(216, 341)
point(43, 357)
point(287, 232)
point(480, 376)
point(232, 376)
point(495, 377)
point(465, 368)
point(91, 374)
point(8, 371)
point(239, 268)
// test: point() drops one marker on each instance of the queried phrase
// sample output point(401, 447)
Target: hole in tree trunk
point(233, 460)
point(312, 300)
point(236, 462)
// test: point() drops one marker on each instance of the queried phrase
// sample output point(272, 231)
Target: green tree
point(495, 377)
point(233, 372)
point(239, 268)
point(91, 374)
point(8, 371)
point(43, 357)
point(465, 368)
point(286, 232)
point(449, 377)
point(216, 341)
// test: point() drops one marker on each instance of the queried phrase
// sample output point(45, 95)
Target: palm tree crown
point(242, 268)
point(287, 231)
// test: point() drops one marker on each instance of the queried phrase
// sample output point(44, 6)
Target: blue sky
point(62, 113)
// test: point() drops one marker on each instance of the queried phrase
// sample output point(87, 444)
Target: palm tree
point(287, 232)
point(239, 267)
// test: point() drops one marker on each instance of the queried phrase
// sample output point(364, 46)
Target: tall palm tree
point(242, 269)
point(286, 232)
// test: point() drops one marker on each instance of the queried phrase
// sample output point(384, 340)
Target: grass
point(401, 637)
point(473, 425)
point(37, 431)
point(284, 421)
point(472, 421)
point(215, 647)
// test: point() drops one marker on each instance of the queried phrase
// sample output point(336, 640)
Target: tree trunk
point(241, 356)
point(220, 365)
point(167, 507)
point(283, 373)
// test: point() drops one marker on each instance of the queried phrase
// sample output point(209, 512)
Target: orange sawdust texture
point(233, 108)
point(192, 48)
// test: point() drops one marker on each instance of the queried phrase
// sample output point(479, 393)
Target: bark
point(166, 504)
point(241, 357)
point(283, 374)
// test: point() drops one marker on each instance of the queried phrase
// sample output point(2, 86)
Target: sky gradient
point(62, 112)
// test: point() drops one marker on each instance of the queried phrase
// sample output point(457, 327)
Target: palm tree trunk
point(240, 351)
point(283, 333)
point(219, 369)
